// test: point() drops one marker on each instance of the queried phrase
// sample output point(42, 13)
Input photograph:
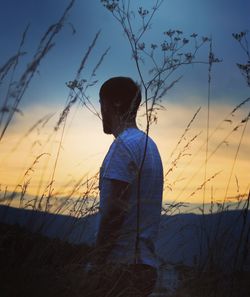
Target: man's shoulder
point(135, 139)
point(132, 135)
point(132, 139)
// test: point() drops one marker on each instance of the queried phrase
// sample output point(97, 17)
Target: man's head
point(120, 97)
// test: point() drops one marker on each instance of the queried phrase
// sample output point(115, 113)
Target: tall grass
point(157, 77)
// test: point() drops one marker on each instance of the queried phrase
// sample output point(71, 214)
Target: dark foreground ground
point(34, 265)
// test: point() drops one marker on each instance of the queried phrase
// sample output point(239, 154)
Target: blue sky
point(208, 18)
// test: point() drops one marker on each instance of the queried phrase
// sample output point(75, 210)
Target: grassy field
point(32, 264)
point(35, 265)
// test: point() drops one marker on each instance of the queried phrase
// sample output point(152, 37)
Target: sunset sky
point(84, 144)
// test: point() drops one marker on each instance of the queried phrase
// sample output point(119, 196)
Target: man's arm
point(112, 218)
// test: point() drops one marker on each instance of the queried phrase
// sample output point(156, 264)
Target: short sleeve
point(121, 164)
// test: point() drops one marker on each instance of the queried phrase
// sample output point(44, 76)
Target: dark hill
point(190, 239)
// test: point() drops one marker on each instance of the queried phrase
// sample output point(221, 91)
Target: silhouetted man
point(125, 246)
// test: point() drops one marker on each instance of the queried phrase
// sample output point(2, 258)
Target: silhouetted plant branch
point(163, 59)
point(45, 45)
point(241, 38)
point(77, 91)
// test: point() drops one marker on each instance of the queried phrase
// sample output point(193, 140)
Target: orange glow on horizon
point(85, 145)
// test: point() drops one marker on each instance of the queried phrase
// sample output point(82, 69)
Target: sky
point(84, 144)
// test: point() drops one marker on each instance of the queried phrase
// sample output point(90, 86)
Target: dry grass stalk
point(45, 45)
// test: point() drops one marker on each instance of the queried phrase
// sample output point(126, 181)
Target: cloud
point(189, 170)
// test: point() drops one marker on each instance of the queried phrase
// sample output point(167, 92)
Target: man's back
point(122, 163)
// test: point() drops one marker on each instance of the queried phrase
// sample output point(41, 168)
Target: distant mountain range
point(189, 239)
point(67, 204)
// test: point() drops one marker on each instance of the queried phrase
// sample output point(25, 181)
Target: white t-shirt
point(122, 162)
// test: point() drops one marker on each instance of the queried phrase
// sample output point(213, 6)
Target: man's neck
point(123, 126)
